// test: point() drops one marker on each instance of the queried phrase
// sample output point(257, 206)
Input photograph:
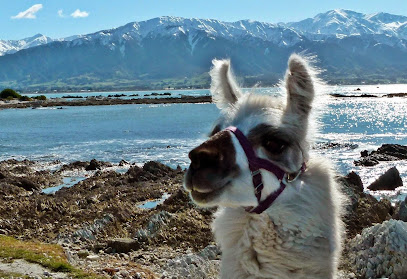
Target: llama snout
point(213, 165)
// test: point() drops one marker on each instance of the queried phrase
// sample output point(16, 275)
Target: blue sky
point(57, 18)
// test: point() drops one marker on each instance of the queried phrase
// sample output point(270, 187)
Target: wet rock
point(387, 152)
point(380, 251)
point(367, 162)
point(74, 166)
point(390, 180)
point(123, 245)
point(333, 145)
point(97, 165)
point(391, 95)
point(123, 163)
point(395, 150)
point(364, 153)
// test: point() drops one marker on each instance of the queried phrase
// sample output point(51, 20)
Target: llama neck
point(307, 203)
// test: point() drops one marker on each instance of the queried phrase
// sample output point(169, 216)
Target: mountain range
point(171, 51)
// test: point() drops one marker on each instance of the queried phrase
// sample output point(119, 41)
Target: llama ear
point(224, 88)
point(300, 86)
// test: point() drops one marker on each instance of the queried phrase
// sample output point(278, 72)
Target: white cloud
point(61, 13)
point(79, 13)
point(29, 13)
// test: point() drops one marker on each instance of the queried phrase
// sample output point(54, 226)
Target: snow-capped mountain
point(345, 23)
point(388, 28)
point(349, 45)
point(12, 46)
point(194, 29)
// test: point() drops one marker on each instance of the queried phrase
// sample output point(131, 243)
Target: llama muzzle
point(212, 166)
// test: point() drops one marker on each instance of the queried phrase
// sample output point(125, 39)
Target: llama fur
point(300, 235)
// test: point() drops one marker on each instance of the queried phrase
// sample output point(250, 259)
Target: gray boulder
point(380, 251)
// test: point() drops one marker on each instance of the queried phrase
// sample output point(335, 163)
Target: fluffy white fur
point(299, 236)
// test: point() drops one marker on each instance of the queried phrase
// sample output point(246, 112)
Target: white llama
point(279, 210)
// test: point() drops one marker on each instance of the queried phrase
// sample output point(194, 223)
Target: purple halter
point(257, 163)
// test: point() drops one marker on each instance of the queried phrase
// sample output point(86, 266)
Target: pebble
point(92, 257)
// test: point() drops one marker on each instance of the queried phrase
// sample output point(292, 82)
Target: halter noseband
point(255, 164)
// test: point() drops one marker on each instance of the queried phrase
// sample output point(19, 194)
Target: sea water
point(140, 133)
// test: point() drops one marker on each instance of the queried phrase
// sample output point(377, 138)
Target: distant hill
point(177, 52)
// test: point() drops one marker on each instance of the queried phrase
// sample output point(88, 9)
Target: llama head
point(277, 129)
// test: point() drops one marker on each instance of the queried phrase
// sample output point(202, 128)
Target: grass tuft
point(51, 256)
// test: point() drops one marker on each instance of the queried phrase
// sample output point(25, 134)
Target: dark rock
point(157, 168)
point(364, 153)
point(362, 210)
point(354, 179)
point(2, 176)
point(390, 180)
point(391, 95)
point(395, 150)
point(94, 165)
point(74, 166)
point(123, 163)
point(366, 161)
point(387, 152)
point(123, 245)
point(97, 165)
point(27, 184)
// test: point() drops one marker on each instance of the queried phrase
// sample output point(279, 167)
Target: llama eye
point(275, 146)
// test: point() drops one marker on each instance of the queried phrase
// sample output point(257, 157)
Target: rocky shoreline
point(104, 101)
point(105, 226)
point(115, 100)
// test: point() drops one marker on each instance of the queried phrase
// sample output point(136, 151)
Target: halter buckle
point(256, 172)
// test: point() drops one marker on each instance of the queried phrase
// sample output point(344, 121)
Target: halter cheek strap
point(255, 164)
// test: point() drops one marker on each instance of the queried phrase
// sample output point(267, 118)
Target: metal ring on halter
point(287, 179)
point(256, 189)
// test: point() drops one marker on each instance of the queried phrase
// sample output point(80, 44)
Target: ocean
point(166, 133)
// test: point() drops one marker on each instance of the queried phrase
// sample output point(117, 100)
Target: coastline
point(105, 102)
point(104, 228)
point(97, 101)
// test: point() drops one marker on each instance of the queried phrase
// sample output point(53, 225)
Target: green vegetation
point(40, 97)
point(25, 98)
point(7, 93)
point(48, 255)
point(10, 94)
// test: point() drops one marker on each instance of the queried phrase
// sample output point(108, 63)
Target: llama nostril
point(203, 158)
